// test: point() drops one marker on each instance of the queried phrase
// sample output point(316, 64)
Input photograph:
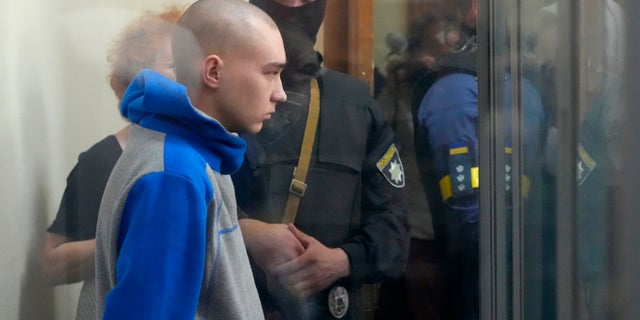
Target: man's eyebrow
point(279, 65)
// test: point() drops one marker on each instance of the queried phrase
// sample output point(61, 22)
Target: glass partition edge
point(567, 79)
point(625, 241)
point(493, 234)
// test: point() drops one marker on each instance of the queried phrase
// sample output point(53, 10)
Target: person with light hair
point(68, 254)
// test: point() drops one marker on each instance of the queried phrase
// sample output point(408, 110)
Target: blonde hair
point(138, 45)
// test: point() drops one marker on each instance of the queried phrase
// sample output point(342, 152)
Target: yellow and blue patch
point(391, 167)
point(460, 170)
point(586, 165)
point(463, 174)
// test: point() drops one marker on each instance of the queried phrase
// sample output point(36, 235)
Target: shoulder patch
point(391, 167)
point(586, 164)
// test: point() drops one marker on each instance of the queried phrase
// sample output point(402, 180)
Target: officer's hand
point(268, 244)
point(315, 269)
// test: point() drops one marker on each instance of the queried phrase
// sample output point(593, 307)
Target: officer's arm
point(381, 247)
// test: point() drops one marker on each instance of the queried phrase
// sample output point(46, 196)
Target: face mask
point(299, 27)
point(308, 17)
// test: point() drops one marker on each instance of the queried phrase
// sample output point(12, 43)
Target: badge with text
point(391, 167)
point(338, 302)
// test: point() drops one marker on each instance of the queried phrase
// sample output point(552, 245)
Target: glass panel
point(549, 84)
point(625, 219)
point(534, 221)
point(513, 171)
point(577, 78)
point(598, 157)
point(441, 279)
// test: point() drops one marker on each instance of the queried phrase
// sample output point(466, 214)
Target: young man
point(168, 244)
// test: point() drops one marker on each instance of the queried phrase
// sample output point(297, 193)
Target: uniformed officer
point(445, 107)
point(351, 225)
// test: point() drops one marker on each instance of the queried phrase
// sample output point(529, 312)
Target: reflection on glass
point(430, 70)
point(597, 155)
point(600, 65)
point(527, 128)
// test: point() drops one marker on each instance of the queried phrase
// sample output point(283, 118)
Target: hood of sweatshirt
point(158, 103)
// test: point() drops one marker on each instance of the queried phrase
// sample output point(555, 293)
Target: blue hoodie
point(168, 243)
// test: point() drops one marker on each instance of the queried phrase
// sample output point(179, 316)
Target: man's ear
point(212, 70)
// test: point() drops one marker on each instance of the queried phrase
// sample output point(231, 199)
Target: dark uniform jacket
point(354, 199)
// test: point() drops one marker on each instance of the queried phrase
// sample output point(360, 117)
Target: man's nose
point(279, 95)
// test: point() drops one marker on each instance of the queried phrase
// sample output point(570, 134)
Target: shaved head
point(220, 27)
point(229, 54)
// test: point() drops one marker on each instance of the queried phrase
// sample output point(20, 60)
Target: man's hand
point(315, 269)
point(268, 244)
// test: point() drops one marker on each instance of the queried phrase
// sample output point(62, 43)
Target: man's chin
point(255, 129)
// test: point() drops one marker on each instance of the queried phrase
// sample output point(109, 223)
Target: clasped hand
point(293, 259)
point(314, 269)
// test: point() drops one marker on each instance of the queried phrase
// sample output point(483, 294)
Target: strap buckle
point(297, 187)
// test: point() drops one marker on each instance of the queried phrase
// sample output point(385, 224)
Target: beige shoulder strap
point(298, 185)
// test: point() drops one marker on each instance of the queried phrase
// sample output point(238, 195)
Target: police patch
point(391, 167)
point(586, 164)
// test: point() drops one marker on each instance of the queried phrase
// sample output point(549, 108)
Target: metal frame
point(516, 241)
point(501, 287)
point(625, 245)
point(493, 241)
point(568, 74)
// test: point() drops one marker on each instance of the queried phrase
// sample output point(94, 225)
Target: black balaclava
point(299, 27)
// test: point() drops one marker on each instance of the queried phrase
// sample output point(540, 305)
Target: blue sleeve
point(448, 117)
point(162, 243)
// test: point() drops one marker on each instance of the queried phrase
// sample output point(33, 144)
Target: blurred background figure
point(430, 36)
point(445, 110)
point(68, 253)
point(419, 293)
